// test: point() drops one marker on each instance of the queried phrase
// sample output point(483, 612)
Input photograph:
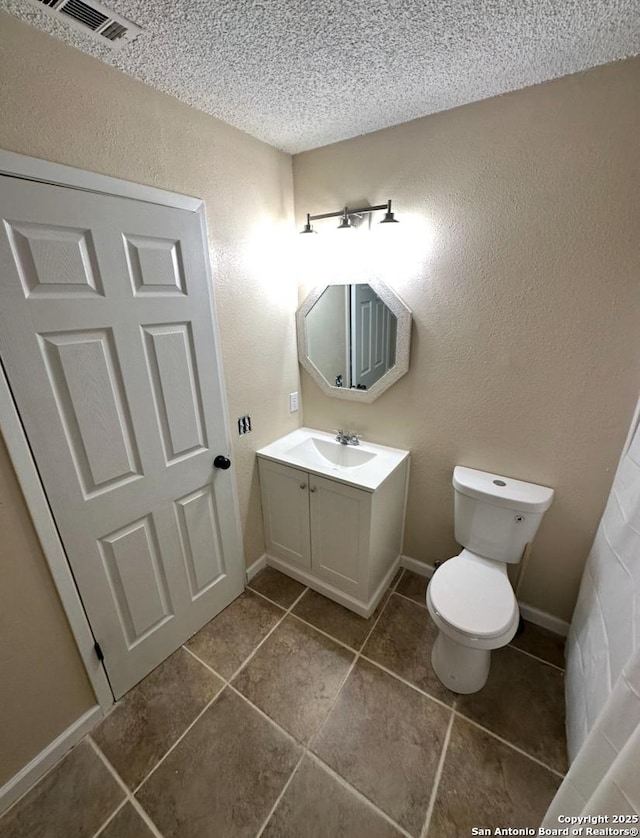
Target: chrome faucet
point(347, 438)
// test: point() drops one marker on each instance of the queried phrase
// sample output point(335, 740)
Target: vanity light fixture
point(346, 213)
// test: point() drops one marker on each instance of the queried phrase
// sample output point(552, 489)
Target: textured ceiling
point(300, 74)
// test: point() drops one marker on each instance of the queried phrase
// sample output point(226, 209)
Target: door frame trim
point(43, 171)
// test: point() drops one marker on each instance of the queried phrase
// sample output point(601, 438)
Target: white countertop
point(298, 451)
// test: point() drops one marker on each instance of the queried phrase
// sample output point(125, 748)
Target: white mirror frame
point(403, 343)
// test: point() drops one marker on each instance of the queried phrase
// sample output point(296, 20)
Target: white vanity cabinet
point(342, 540)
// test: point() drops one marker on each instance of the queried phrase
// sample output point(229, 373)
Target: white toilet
point(470, 597)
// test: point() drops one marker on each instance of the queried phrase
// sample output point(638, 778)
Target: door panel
point(175, 389)
point(54, 261)
point(131, 557)
point(86, 383)
point(107, 337)
point(155, 266)
point(199, 534)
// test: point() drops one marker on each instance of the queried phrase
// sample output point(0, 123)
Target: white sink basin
point(335, 453)
point(365, 466)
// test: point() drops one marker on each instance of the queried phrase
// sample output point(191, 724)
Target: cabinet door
point(340, 519)
point(285, 505)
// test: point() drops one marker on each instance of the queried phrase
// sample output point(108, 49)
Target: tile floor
point(288, 716)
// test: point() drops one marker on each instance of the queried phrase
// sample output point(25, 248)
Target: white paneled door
point(370, 336)
point(107, 338)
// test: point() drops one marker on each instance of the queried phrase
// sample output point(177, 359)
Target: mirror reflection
point(351, 336)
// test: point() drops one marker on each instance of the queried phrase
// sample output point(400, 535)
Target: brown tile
point(414, 587)
point(126, 824)
point(402, 643)
point(223, 778)
point(229, 638)
point(522, 702)
point(339, 622)
point(316, 805)
point(74, 799)
point(385, 739)
point(276, 586)
point(294, 677)
point(149, 719)
point(487, 784)
point(542, 643)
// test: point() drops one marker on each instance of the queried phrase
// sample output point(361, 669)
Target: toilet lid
point(473, 595)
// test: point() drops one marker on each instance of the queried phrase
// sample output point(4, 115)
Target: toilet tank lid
point(502, 491)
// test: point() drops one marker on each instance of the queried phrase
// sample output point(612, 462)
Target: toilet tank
point(496, 517)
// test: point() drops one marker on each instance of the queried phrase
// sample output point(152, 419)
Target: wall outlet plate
point(293, 402)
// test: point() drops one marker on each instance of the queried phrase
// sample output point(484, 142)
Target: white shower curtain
point(603, 664)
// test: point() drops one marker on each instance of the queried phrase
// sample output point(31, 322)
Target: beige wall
point(43, 686)
point(61, 105)
point(521, 264)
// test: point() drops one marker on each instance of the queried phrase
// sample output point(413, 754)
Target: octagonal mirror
point(353, 339)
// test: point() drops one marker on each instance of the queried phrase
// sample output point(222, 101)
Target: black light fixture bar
point(346, 212)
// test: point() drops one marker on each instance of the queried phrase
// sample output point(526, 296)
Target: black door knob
point(222, 462)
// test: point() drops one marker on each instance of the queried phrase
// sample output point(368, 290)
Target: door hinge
point(99, 651)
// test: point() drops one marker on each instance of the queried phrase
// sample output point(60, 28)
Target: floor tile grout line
point(535, 657)
point(354, 662)
point(267, 635)
point(357, 793)
point(267, 717)
point(282, 794)
point(260, 596)
point(206, 665)
point(438, 777)
point(177, 742)
point(306, 746)
point(111, 817)
point(408, 683)
point(273, 601)
point(296, 601)
point(130, 796)
point(411, 599)
point(325, 633)
point(462, 715)
point(285, 613)
point(264, 639)
point(511, 745)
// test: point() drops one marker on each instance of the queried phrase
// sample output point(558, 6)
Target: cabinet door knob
point(312, 490)
point(303, 485)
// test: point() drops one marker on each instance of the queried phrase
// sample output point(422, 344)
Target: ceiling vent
point(92, 17)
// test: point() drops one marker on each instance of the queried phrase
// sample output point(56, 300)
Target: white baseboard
point(528, 612)
point(46, 759)
point(256, 567)
point(420, 568)
point(541, 618)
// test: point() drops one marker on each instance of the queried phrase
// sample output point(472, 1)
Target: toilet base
point(460, 668)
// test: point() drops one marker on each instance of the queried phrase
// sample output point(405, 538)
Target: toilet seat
point(473, 597)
